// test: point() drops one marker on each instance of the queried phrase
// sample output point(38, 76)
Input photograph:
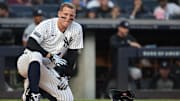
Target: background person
point(119, 40)
point(103, 10)
point(37, 18)
point(164, 80)
point(139, 10)
point(96, 3)
point(165, 10)
point(5, 12)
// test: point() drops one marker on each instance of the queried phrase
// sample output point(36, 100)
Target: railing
point(100, 23)
point(124, 54)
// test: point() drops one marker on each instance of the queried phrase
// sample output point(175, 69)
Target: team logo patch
point(37, 34)
point(67, 42)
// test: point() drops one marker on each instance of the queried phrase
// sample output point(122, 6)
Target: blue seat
point(151, 4)
point(21, 10)
point(125, 5)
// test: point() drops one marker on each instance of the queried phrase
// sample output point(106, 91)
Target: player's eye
point(65, 14)
point(71, 15)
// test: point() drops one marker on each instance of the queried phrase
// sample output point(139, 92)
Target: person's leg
point(49, 81)
point(22, 66)
point(26, 85)
point(34, 76)
point(48, 77)
point(47, 95)
point(29, 67)
point(42, 92)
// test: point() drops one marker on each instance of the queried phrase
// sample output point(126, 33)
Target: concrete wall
point(83, 85)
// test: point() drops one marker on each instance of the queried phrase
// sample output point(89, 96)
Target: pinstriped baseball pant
point(48, 77)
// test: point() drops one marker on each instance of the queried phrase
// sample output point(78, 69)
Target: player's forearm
point(134, 44)
point(34, 46)
point(71, 56)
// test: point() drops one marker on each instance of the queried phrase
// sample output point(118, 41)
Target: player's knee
point(34, 64)
point(36, 56)
point(22, 65)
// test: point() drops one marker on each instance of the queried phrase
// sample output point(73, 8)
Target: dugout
point(97, 34)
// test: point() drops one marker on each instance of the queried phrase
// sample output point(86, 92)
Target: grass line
point(102, 100)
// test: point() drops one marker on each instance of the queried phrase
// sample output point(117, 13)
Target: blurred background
point(151, 71)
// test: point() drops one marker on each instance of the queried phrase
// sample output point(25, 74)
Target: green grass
point(104, 100)
point(158, 100)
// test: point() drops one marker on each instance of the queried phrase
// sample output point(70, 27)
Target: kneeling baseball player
point(53, 44)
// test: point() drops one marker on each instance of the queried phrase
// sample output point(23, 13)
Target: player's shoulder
point(114, 37)
point(30, 25)
point(46, 23)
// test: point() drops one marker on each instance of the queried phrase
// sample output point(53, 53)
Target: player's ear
point(59, 13)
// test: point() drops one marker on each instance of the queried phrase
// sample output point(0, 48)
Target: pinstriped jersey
point(48, 35)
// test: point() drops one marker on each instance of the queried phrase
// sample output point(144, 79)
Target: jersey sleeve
point(28, 31)
point(176, 9)
point(39, 32)
point(77, 42)
point(25, 35)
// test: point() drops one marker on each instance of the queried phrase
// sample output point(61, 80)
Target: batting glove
point(63, 83)
point(58, 61)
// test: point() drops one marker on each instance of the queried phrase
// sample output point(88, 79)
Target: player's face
point(66, 16)
point(164, 72)
point(163, 3)
point(122, 31)
point(38, 19)
point(3, 13)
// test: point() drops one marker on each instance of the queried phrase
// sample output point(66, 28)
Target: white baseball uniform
point(50, 38)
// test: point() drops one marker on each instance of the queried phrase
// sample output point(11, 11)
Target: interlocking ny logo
point(67, 42)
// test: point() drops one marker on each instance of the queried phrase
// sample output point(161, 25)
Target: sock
point(34, 76)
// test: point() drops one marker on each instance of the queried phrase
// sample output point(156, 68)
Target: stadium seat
point(21, 10)
point(151, 4)
point(126, 5)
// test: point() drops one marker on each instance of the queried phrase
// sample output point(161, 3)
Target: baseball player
point(37, 18)
point(53, 44)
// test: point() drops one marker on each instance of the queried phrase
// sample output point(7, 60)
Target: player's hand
point(63, 83)
point(58, 61)
point(134, 44)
